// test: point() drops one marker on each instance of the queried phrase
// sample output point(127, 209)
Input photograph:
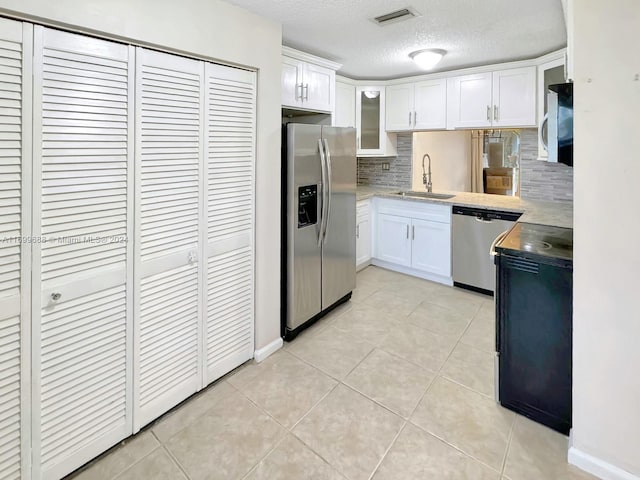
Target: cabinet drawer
point(415, 209)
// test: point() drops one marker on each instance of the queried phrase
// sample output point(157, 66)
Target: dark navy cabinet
point(534, 337)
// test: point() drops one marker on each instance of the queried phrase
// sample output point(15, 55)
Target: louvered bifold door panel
point(169, 163)
point(230, 159)
point(15, 106)
point(82, 268)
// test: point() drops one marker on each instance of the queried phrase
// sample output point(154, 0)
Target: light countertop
point(533, 211)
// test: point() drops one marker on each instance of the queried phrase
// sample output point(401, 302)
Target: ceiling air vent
point(397, 16)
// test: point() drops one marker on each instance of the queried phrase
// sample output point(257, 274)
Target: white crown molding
point(307, 57)
point(261, 354)
point(598, 467)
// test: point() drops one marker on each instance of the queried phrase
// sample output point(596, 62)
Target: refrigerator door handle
point(323, 213)
point(330, 187)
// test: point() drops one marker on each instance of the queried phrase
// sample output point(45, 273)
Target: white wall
point(450, 154)
point(214, 30)
point(606, 349)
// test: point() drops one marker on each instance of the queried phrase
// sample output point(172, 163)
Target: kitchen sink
point(437, 196)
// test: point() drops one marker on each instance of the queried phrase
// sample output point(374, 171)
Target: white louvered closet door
point(16, 41)
point(168, 212)
point(230, 162)
point(82, 274)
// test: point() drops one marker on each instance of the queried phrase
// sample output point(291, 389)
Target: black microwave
point(558, 140)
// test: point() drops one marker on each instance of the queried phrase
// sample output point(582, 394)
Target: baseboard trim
point(410, 271)
point(262, 353)
point(598, 467)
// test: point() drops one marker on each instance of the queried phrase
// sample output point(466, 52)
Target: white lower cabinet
point(431, 247)
point(363, 235)
point(393, 242)
point(414, 238)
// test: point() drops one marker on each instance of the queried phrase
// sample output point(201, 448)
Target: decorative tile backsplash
point(370, 170)
point(540, 180)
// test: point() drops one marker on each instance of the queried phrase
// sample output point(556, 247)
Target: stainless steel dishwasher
point(474, 231)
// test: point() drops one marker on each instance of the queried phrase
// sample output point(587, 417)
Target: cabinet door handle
point(298, 86)
point(495, 113)
point(409, 118)
point(357, 231)
point(358, 139)
point(488, 113)
point(413, 232)
point(306, 89)
point(415, 118)
point(407, 231)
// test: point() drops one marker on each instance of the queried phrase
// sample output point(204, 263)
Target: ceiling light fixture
point(427, 59)
point(371, 93)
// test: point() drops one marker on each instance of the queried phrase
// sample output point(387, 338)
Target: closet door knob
point(56, 296)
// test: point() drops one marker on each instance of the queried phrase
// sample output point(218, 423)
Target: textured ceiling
point(474, 32)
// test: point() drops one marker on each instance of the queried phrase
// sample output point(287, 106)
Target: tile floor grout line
point(373, 400)
point(386, 452)
point(259, 407)
point(493, 469)
point(262, 458)
point(422, 397)
point(312, 408)
point(325, 372)
point(129, 467)
point(359, 363)
point(506, 453)
point(175, 460)
point(309, 446)
point(421, 367)
point(490, 397)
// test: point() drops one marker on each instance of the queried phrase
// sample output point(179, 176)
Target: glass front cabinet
point(372, 138)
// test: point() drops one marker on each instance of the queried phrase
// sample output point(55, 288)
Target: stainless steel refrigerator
point(318, 220)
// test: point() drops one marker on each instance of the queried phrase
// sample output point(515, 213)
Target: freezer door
point(339, 239)
point(304, 254)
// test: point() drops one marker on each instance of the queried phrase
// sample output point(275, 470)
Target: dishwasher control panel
point(486, 215)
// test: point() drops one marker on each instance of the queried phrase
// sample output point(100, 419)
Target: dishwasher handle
point(498, 239)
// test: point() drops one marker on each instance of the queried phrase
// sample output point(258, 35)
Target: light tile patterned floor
point(395, 385)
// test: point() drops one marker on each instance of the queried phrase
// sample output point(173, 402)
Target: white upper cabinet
point(318, 87)
point(308, 82)
point(514, 97)
point(469, 101)
point(505, 98)
point(372, 137)
point(417, 106)
point(345, 112)
point(430, 103)
point(399, 107)
point(291, 81)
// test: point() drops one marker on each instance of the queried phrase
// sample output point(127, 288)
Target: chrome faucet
point(426, 177)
